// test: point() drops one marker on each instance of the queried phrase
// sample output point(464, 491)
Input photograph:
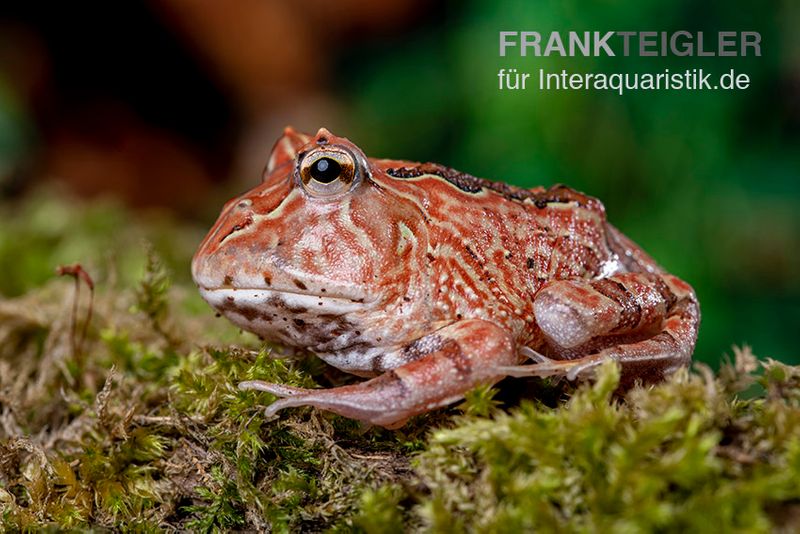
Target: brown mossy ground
point(138, 425)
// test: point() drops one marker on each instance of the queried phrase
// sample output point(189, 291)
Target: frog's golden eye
point(328, 171)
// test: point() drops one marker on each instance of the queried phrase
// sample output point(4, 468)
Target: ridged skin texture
point(433, 281)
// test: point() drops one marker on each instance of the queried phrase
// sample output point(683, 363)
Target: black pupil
point(325, 170)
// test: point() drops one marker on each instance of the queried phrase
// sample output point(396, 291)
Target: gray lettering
point(576, 42)
point(534, 43)
point(647, 39)
point(700, 51)
point(602, 43)
point(626, 41)
point(555, 43)
point(504, 42)
point(727, 47)
point(751, 40)
point(688, 47)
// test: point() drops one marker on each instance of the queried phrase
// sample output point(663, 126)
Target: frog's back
point(539, 234)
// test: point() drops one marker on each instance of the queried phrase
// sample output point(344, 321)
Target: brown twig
point(79, 274)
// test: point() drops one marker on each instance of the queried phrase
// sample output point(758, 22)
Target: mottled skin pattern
point(433, 281)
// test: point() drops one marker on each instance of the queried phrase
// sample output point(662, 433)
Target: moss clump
point(687, 455)
point(145, 427)
point(140, 427)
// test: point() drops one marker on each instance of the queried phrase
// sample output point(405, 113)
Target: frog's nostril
point(236, 227)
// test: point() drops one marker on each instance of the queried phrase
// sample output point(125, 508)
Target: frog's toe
point(566, 368)
point(279, 390)
point(536, 369)
point(534, 355)
point(543, 365)
point(272, 410)
point(291, 396)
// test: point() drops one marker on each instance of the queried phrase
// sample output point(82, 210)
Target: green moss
point(684, 455)
point(143, 429)
point(380, 511)
point(221, 507)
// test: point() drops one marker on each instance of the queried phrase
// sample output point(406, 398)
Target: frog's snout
point(214, 253)
point(236, 216)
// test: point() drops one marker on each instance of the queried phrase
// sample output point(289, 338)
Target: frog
point(428, 282)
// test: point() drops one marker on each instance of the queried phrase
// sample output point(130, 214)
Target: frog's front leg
point(434, 371)
point(646, 321)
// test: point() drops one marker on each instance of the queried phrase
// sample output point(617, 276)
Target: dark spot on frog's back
point(470, 184)
point(465, 182)
point(562, 194)
point(268, 279)
point(472, 253)
point(299, 284)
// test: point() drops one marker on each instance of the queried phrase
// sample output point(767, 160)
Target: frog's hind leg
point(646, 321)
point(431, 372)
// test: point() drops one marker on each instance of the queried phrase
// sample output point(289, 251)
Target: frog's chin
point(297, 319)
point(263, 302)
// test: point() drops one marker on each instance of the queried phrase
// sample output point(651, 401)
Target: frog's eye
point(327, 171)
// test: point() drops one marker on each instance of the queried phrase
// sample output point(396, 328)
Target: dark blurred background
point(173, 105)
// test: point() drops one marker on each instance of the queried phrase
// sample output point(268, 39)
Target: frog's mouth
point(297, 319)
point(260, 301)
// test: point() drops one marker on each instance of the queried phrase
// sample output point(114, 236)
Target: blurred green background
point(170, 107)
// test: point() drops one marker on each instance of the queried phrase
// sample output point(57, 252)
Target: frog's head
point(320, 236)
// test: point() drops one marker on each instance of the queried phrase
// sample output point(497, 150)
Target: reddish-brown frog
point(433, 281)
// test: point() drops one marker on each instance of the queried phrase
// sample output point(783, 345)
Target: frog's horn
point(286, 148)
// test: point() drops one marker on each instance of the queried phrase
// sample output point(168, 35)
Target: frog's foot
point(291, 396)
point(545, 366)
point(434, 371)
point(357, 401)
point(575, 315)
point(294, 396)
